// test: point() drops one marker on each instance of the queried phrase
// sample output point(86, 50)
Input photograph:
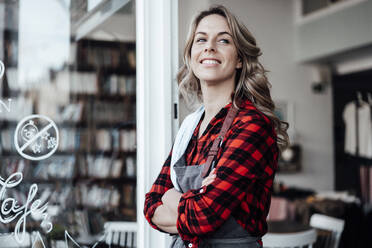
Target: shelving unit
point(96, 157)
point(90, 94)
point(310, 10)
point(107, 60)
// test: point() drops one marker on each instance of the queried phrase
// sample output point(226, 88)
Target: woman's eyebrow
point(220, 33)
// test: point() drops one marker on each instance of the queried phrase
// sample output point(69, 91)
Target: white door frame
point(157, 63)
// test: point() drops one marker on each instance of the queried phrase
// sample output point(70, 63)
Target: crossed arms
point(165, 215)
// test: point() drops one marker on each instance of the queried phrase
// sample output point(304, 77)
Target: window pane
point(68, 123)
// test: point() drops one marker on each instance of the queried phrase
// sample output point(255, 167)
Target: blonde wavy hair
point(250, 81)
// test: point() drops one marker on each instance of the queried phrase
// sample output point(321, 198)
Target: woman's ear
point(239, 65)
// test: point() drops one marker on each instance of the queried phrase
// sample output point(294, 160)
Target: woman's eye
point(200, 39)
point(224, 41)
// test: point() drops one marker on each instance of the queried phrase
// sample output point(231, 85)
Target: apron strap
point(218, 141)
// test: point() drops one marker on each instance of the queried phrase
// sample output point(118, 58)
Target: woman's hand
point(209, 179)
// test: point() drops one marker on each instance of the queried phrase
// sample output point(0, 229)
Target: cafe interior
point(90, 108)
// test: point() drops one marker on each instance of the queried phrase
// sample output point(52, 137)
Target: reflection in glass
point(87, 86)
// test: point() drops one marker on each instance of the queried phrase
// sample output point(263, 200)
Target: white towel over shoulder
point(183, 137)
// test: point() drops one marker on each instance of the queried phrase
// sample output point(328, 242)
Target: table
point(288, 234)
point(286, 226)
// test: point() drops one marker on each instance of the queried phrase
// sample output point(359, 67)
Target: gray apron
point(230, 234)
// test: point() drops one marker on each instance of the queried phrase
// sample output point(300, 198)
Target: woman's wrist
point(169, 229)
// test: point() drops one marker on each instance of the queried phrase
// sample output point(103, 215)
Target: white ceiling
point(120, 27)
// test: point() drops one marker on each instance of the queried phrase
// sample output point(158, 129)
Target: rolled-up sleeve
point(160, 186)
point(246, 157)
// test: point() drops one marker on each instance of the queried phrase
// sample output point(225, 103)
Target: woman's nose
point(209, 47)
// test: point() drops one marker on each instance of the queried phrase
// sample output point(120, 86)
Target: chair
point(331, 224)
point(121, 233)
point(295, 239)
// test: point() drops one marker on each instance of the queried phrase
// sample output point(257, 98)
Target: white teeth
point(209, 61)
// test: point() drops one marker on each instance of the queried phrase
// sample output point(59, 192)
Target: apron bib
point(230, 234)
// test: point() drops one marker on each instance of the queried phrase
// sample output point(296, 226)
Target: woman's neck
point(215, 97)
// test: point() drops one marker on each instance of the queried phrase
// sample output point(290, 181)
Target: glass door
point(68, 123)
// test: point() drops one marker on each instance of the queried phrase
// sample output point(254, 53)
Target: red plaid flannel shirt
point(245, 170)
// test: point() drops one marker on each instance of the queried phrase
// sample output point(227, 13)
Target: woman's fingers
point(207, 182)
point(209, 179)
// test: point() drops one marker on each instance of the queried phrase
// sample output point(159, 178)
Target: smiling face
point(214, 56)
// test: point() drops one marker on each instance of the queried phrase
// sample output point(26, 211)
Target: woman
point(235, 128)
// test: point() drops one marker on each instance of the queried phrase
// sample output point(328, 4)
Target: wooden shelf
point(121, 70)
point(75, 179)
point(74, 152)
point(103, 97)
point(73, 124)
point(81, 124)
point(121, 180)
point(116, 125)
point(107, 153)
point(49, 180)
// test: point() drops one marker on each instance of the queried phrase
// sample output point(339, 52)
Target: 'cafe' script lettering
point(10, 210)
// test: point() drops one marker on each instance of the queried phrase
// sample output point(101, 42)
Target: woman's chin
point(210, 78)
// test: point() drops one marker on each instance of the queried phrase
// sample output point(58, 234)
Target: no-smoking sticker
point(36, 137)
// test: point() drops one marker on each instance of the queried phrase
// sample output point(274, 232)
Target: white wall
point(272, 24)
point(352, 17)
point(186, 10)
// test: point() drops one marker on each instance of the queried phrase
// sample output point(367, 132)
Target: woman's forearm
point(164, 216)
point(172, 208)
point(171, 199)
point(165, 219)
point(169, 229)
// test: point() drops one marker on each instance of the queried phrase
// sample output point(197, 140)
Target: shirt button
point(190, 245)
point(201, 190)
